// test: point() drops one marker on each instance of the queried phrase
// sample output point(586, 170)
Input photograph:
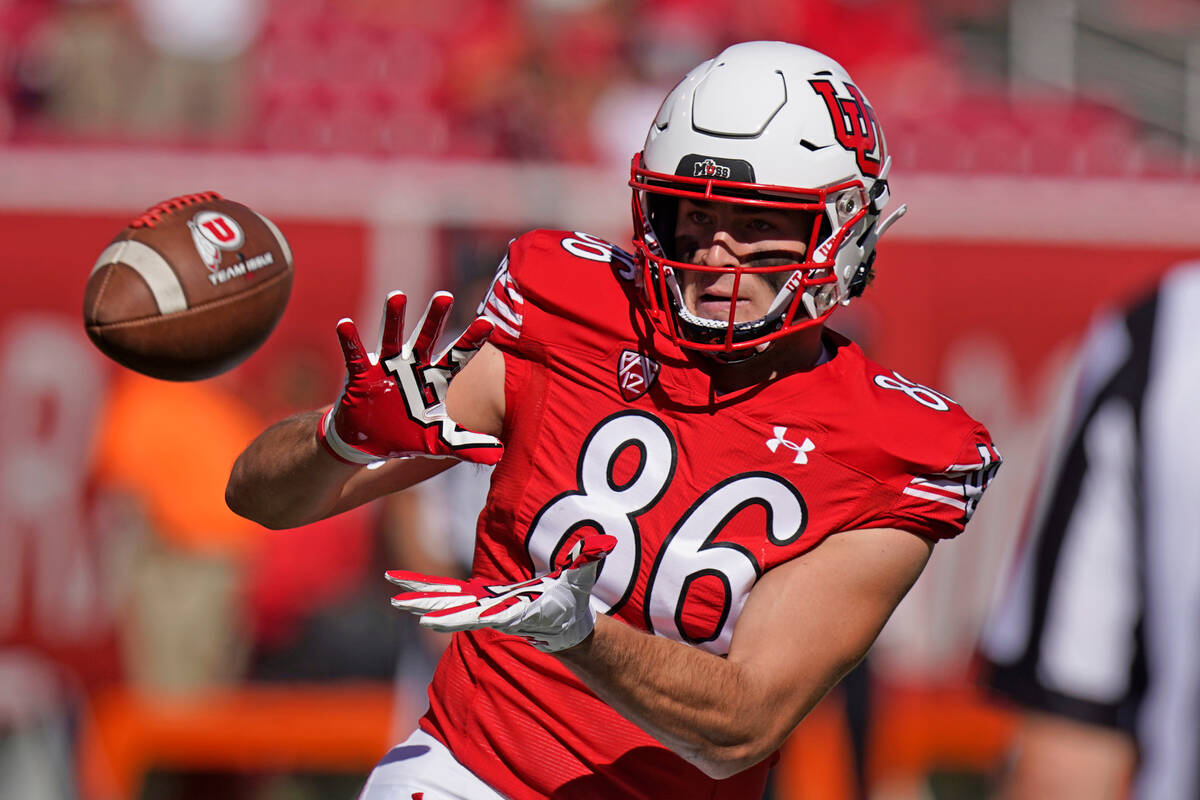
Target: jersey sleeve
point(504, 305)
point(938, 498)
point(537, 296)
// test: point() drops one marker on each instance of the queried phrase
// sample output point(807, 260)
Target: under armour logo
point(801, 450)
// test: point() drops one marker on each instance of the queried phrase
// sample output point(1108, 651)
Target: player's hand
point(552, 611)
point(393, 403)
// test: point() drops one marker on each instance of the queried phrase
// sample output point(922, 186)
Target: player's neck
point(798, 352)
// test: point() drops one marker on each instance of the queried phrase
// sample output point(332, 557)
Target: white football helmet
point(772, 125)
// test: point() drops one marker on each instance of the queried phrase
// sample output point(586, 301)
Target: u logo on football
point(220, 229)
point(213, 232)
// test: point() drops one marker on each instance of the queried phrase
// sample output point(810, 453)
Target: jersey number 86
point(688, 554)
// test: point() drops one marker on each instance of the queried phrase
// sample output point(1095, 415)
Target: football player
point(706, 503)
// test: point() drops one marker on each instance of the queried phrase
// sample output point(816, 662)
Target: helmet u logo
point(854, 125)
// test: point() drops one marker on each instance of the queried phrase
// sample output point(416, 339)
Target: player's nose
point(722, 251)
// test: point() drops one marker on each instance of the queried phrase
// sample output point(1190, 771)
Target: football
point(189, 289)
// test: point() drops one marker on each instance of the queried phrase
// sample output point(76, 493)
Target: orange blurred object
point(173, 444)
point(318, 728)
point(817, 760)
point(923, 728)
point(916, 730)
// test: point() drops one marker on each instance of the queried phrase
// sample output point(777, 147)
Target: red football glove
point(393, 403)
point(552, 611)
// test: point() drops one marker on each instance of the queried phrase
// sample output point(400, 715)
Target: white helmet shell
point(774, 105)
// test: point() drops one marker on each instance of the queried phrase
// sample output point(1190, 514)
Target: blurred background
point(152, 645)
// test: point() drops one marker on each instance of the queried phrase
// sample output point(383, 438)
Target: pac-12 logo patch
point(213, 232)
point(854, 124)
point(635, 374)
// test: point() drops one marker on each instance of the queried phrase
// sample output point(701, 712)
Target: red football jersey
point(609, 428)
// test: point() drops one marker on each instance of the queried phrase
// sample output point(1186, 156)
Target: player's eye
point(697, 217)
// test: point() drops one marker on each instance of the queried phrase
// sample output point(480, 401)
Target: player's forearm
point(710, 711)
point(284, 478)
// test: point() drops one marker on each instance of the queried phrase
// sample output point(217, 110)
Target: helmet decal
point(725, 169)
point(710, 169)
point(854, 124)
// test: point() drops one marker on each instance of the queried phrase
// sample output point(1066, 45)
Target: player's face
point(718, 234)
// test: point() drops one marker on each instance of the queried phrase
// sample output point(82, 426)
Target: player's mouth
point(715, 305)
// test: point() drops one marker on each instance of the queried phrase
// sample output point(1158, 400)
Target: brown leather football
point(189, 289)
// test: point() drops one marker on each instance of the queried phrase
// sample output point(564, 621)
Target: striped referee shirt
point(1100, 620)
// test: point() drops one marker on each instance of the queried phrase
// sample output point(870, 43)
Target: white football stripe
point(154, 269)
point(283, 244)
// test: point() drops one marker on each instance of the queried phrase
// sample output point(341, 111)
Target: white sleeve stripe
point(967, 469)
point(961, 486)
point(954, 489)
point(499, 308)
point(986, 460)
point(937, 498)
point(510, 289)
point(953, 484)
point(503, 302)
point(500, 276)
point(501, 324)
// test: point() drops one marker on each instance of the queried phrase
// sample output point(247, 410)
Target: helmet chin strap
point(739, 356)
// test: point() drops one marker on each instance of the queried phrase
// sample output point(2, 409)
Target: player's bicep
point(808, 621)
point(475, 398)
